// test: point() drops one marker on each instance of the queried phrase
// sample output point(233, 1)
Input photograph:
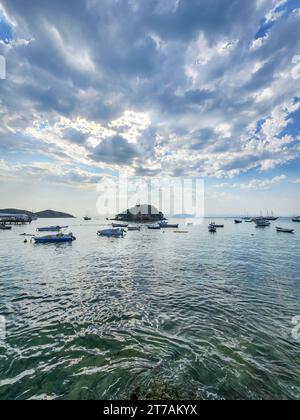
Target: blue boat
point(112, 233)
point(52, 228)
point(54, 239)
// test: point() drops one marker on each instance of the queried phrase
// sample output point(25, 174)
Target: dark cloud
point(75, 136)
point(115, 150)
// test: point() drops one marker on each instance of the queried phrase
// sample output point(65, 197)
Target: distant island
point(140, 213)
point(46, 214)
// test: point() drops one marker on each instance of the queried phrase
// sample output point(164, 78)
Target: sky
point(172, 89)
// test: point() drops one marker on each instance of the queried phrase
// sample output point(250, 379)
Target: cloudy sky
point(152, 88)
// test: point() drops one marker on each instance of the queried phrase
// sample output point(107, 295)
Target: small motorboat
point(284, 230)
point(296, 219)
point(52, 228)
point(112, 233)
point(154, 227)
point(119, 225)
point(248, 220)
point(4, 227)
point(217, 226)
point(54, 239)
point(87, 219)
point(262, 222)
point(238, 221)
point(134, 228)
point(166, 225)
point(212, 228)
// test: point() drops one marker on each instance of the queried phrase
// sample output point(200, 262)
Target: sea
point(153, 315)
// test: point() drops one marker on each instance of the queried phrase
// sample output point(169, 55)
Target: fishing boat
point(112, 233)
point(154, 227)
point(54, 239)
point(134, 228)
point(284, 230)
point(212, 228)
point(119, 225)
point(238, 221)
point(52, 228)
point(261, 222)
point(166, 225)
point(296, 219)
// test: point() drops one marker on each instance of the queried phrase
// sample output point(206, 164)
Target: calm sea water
point(153, 315)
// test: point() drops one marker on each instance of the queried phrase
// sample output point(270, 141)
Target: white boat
point(261, 222)
point(296, 219)
point(284, 230)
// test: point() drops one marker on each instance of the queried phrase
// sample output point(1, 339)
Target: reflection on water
point(152, 315)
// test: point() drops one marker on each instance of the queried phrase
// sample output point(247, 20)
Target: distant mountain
point(46, 214)
point(51, 214)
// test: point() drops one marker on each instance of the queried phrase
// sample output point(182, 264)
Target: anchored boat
point(217, 226)
point(119, 225)
point(134, 228)
point(166, 225)
point(238, 221)
point(4, 227)
point(212, 228)
point(296, 219)
point(284, 230)
point(261, 222)
point(54, 239)
point(154, 227)
point(52, 228)
point(112, 233)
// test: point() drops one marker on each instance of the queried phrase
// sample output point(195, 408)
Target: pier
point(15, 219)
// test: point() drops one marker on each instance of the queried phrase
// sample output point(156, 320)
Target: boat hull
point(111, 233)
point(54, 239)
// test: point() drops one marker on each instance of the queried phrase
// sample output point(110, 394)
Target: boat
point(166, 225)
point(119, 225)
point(261, 222)
point(112, 233)
point(284, 230)
point(87, 219)
point(271, 218)
point(238, 221)
point(54, 239)
point(134, 228)
point(217, 226)
point(52, 228)
point(154, 227)
point(296, 219)
point(4, 227)
point(248, 220)
point(212, 228)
